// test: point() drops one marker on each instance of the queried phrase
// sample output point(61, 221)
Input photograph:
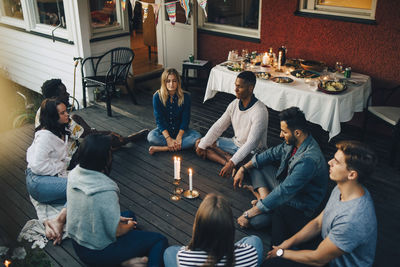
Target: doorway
point(143, 40)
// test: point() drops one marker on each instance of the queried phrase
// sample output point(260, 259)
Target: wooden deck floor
point(146, 181)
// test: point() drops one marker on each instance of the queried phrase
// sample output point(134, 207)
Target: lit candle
point(175, 168)
point(190, 180)
point(179, 168)
point(265, 59)
point(279, 60)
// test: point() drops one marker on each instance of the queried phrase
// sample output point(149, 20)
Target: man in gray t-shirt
point(351, 226)
point(347, 224)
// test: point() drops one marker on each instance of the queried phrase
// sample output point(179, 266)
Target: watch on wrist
point(246, 215)
point(279, 252)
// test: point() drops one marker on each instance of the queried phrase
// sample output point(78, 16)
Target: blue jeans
point(171, 252)
point(227, 145)
point(46, 189)
point(133, 244)
point(264, 177)
point(190, 136)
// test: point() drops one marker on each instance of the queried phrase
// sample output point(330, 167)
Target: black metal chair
point(389, 114)
point(108, 70)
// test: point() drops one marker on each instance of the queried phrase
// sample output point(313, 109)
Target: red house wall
point(369, 49)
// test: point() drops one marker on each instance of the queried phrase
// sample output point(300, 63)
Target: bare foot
point(251, 189)
point(227, 156)
point(136, 262)
point(152, 150)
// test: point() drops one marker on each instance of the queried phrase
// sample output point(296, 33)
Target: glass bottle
point(283, 57)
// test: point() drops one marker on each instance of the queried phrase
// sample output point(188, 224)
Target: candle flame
point(7, 262)
point(190, 171)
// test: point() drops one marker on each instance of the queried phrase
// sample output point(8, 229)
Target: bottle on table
point(283, 54)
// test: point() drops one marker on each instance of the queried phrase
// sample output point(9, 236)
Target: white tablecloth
point(320, 108)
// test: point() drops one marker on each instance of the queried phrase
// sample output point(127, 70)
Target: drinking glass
point(339, 67)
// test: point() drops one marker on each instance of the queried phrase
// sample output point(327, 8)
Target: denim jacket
point(306, 182)
point(172, 117)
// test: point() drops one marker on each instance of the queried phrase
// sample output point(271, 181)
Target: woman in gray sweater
point(102, 235)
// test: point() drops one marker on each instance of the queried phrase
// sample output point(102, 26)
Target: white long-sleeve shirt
point(48, 154)
point(249, 126)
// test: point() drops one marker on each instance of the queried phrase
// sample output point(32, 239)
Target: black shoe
point(138, 136)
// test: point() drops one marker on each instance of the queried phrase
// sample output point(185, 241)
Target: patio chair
point(389, 114)
point(107, 71)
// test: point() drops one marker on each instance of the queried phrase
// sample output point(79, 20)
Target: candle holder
point(191, 194)
point(177, 190)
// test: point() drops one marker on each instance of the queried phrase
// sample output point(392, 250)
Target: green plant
point(34, 258)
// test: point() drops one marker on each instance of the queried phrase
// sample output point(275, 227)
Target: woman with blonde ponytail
point(171, 107)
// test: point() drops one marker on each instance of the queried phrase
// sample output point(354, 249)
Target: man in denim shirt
point(348, 223)
point(297, 187)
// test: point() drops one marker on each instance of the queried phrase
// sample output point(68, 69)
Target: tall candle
point(179, 168)
point(190, 180)
point(175, 168)
point(279, 60)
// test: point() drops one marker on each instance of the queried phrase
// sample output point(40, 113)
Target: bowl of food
point(312, 65)
point(235, 67)
point(282, 80)
point(263, 75)
point(305, 74)
point(332, 87)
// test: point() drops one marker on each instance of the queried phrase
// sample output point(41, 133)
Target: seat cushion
point(389, 114)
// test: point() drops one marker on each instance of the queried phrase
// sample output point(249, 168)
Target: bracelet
point(167, 137)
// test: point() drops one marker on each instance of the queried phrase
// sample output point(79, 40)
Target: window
point(236, 17)
point(45, 17)
point(105, 15)
point(12, 12)
point(50, 12)
point(12, 9)
point(353, 10)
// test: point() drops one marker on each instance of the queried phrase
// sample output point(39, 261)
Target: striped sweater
point(245, 256)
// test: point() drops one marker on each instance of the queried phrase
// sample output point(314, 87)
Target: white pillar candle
point(265, 59)
point(179, 168)
point(279, 60)
point(175, 168)
point(190, 180)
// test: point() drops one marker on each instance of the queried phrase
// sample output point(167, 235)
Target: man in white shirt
point(249, 119)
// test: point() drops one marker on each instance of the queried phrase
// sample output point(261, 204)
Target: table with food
point(327, 95)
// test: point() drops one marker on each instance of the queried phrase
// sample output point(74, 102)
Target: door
point(177, 42)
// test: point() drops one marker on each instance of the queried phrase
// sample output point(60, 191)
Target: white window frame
point(311, 6)
point(105, 31)
point(29, 23)
point(20, 23)
point(231, 30)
